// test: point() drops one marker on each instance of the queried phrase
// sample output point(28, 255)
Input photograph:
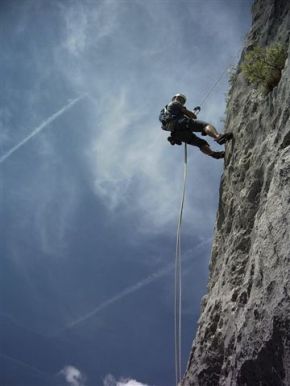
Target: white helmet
point(180, 97)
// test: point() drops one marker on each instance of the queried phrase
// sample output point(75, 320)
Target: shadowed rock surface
point(243, 336)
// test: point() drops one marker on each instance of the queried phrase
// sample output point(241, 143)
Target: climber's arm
point(189, 113)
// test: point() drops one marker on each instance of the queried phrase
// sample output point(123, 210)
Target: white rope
point(178, 283)
point(214, 86)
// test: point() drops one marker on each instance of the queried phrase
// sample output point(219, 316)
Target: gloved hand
point(196, 109)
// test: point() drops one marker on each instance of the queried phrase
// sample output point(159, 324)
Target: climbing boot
point(224, 138)
point(218, 154)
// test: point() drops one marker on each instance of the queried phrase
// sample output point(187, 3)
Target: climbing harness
point(178, 280)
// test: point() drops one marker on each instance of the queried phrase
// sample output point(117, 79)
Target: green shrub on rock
point(262, 66)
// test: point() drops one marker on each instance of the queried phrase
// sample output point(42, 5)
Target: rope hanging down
point(178, 273)
point(178, 277)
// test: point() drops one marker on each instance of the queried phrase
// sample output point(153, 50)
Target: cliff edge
point(243, 335)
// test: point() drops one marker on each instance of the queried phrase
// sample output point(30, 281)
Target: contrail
point(128, 291)
point(39, 128)
point(19, 325)
point(34, 369)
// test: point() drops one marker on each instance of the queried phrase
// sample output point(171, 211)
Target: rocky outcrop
point(243, 335)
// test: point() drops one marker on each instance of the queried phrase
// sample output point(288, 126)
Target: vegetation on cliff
point(263, 65)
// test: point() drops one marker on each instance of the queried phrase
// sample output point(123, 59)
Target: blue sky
point(90, 188)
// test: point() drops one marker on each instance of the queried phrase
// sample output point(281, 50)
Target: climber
point(175, 117)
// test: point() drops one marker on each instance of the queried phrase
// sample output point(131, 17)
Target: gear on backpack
point(173, 141)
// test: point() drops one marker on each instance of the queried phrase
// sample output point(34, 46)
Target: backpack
point(165, 118)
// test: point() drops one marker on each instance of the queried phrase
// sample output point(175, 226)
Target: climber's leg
point(215, 154)
point(210, 130)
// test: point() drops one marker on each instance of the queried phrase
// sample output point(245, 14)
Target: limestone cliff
point(243, 335)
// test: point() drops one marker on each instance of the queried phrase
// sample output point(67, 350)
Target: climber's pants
point(187, 136)
point(195, 125)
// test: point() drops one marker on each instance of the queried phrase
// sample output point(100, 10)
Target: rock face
point(243, 336)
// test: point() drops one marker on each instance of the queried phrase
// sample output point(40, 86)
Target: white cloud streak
point(129, 290)
point(39, 128)
point(26, 365)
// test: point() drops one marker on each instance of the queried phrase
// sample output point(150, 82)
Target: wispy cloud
point(85, 28)
point(79, 23)
point(5, 115)
point(132, 167)
point(137, 172)
point(51, 227)
point(73, 376)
